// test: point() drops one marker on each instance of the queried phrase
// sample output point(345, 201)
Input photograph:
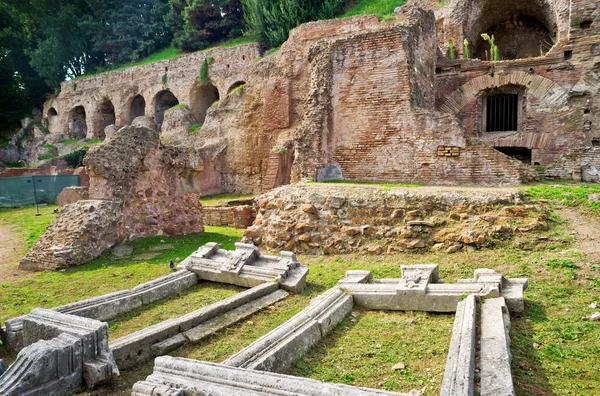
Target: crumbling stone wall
point(374, 100)
point(135, 190)
point(332, 219)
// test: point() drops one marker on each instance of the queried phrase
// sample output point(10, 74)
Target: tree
point(271, 20)
point(21, 87)
point(197, 24)
point(138, 29)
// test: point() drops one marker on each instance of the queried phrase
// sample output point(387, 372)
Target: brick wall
point(235, 216)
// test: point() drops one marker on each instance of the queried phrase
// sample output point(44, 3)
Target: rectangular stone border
point(278, 349)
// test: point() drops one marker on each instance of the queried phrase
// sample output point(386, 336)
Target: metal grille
point(502, 113)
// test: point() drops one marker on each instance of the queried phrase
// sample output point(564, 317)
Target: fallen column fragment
point(166, 336)
point(420, 289)
point(246, 267)
point(179, 377)
point(61, 353)
point(278, 349)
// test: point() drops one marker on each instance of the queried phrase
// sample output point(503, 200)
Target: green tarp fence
point(23, 191)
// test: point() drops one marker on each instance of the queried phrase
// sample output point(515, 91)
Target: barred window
point(502, 113)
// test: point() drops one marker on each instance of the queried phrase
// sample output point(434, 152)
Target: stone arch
point(77, 124)
point(163, 101)
point(105, 117)
point(235, 85)
point(136, 107)
point(202, 97)
point(522, 29)
point(547, 91)
point(53, 121)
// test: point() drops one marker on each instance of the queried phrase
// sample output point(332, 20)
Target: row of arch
point(202, 97)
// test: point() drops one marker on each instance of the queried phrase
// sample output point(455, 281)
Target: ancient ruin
point(439, 119)
point(421, 97)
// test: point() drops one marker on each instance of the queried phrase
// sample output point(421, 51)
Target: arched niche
point(105, 117)
point(53, 121)
point(522, 29)
point(163, 101)
point(77, 124)
point(202, 97)
point(235, 85)
point(137, 108)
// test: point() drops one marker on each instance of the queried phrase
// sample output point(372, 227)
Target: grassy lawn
point(572, 195)
point(221, 199)
point(554, 350)
point(27, 223)
point(381, 8)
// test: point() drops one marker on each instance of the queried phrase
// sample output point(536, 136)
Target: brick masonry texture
point(375, 99)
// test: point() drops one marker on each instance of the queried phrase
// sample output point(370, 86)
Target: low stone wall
point(330, 219)
point(235, 216)
point(71, 195)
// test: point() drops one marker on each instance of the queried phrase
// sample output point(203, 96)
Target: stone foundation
point(330, 219)
point(235, 216)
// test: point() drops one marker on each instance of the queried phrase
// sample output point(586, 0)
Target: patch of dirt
point(12, 249)
point(585, 228)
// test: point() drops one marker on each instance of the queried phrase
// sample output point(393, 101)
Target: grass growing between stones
point(192, 299)
point(222, 199)
point(106, 274)
point(554, 350)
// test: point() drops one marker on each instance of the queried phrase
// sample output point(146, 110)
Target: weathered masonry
point(417, 99)
point(480, 338)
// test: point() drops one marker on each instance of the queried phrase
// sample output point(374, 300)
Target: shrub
point(451, 52)
point(75, 158)
point(271, 20)
point(466, 51)
point(203, 77)
point(194, 129)
point(49, 146)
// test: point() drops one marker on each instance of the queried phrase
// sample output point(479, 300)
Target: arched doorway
point(106, 117)
point(163, 101)
point(202, 97)
point(77, 123)
point(137, 108)
point(521, 29)
point(235, 85)
point(53, 122)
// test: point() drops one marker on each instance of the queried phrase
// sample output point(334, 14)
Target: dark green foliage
point(138, 30)
point(203, 72)
point(75, 159)
point(271, 20)
point(196, 24)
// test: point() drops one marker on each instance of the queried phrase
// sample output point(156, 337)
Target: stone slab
point(277, 350)
point(495, 357)
point(459, 375)
point(247, 267)
point(178, 377)
point(148, 342)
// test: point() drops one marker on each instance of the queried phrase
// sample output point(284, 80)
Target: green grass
point(49, 146)
point(382, 8)
point(221, 199)
point(44, 157)
point(194, 129)
point(103, 275)
point(172, 52)
point(572, 195)
point(70, 142)
point(27, 224)
point(554, 350)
